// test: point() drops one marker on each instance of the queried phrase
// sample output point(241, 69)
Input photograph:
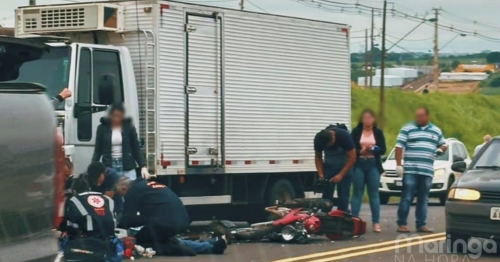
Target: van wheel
point(444, 196)
point(282, 191)
point(384, 199)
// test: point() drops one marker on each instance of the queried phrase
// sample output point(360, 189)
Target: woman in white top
point(118, 145)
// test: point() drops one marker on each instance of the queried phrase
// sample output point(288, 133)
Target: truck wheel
point(282, 191)
point(457, 243)
point(444, 196)
point(384, 199)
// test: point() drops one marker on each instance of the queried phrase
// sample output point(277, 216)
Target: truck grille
point(63, 17)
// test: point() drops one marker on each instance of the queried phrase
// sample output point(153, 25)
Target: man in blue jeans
point(421, 141)
point(340, 155)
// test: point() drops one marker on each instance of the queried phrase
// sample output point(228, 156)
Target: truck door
point(92, 63)
point(203, 90)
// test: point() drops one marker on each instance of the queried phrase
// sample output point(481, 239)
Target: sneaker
point(220, 245)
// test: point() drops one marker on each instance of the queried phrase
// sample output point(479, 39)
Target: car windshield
point(443, 157)
point(51, 70)
point(490, 158)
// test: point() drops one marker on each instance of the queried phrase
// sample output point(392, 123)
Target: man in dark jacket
point(163, 216)
point(340, 155)
point(104, 180)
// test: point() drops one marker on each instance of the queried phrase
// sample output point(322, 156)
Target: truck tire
point(384, 199)
point(281, 190)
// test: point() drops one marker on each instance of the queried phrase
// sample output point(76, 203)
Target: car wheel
point(457, 243)
point(384, 199)
point(444, 196)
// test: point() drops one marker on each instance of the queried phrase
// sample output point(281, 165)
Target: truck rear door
point(203, 90)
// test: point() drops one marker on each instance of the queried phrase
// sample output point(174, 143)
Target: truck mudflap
point(338, 225)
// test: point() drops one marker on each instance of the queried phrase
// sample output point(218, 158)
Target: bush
point(465, 117)
point(495, 82)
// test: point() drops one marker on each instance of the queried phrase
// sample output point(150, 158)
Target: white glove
point(145, 173)
point(400, 171)
point(439, 152)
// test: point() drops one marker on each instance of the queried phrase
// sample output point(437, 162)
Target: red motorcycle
point(299, 219)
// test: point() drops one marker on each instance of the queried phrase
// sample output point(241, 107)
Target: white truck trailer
point(228, 101)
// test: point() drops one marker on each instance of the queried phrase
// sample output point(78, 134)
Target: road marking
point(379, 250)
point(329, 253)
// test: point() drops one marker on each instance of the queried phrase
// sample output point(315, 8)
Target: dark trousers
point(157, 237)
point(343, 191)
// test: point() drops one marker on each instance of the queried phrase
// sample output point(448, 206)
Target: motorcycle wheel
point(334, 237)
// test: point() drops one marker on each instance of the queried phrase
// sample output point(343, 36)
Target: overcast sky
point(456, 13)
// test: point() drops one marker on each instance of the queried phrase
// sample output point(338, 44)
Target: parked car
point(473, 205)
point(444, 176)
point(28, 146)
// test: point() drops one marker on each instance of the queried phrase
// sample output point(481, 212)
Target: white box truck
point(228, 101)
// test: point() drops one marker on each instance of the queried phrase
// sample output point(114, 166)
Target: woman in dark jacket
point(370, 145)
point(118, 145)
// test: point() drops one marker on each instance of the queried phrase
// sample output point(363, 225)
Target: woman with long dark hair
point(118, 145)
point(370, 145)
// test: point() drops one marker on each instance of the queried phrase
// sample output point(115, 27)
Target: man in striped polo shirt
point(417, 144)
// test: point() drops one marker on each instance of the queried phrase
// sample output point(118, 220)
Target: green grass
point(465, 117)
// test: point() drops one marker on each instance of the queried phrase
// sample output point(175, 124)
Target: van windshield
point(51, 71)
point(443, 157)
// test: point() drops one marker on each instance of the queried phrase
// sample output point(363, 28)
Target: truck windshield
point(51, 70)
point(443, 157)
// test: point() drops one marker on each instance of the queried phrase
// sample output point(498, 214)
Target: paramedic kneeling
point(104, 180)
point(88, 225)
point(163, 216)
point(340, 155)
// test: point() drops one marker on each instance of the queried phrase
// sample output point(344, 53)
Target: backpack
point(339, 126)
point(88, 249)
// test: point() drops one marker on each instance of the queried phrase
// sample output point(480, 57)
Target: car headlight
point(439, 172)
point(464, 194)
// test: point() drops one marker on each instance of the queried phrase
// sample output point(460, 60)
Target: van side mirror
point(459, 166)
point(106, 89)
point(458, 159)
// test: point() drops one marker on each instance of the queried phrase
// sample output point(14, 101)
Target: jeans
point(117, 165)
point(199, 247)
point(421, 184)
point(343, 189)
point(366, 173)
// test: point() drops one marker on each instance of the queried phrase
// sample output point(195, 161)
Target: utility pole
point(372, 56)
point(242, 5)
point(436, 52)
point(32, 2)
point(382, 72)
point(366, 58)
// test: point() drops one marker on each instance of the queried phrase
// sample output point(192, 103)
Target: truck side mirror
point(106, 89)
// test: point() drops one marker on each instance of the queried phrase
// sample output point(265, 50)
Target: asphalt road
point(370, 247)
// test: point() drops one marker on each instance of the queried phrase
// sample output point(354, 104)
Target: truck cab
point(97, 76)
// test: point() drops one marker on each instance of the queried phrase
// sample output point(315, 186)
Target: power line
point(333, 6)
point(256, 6)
